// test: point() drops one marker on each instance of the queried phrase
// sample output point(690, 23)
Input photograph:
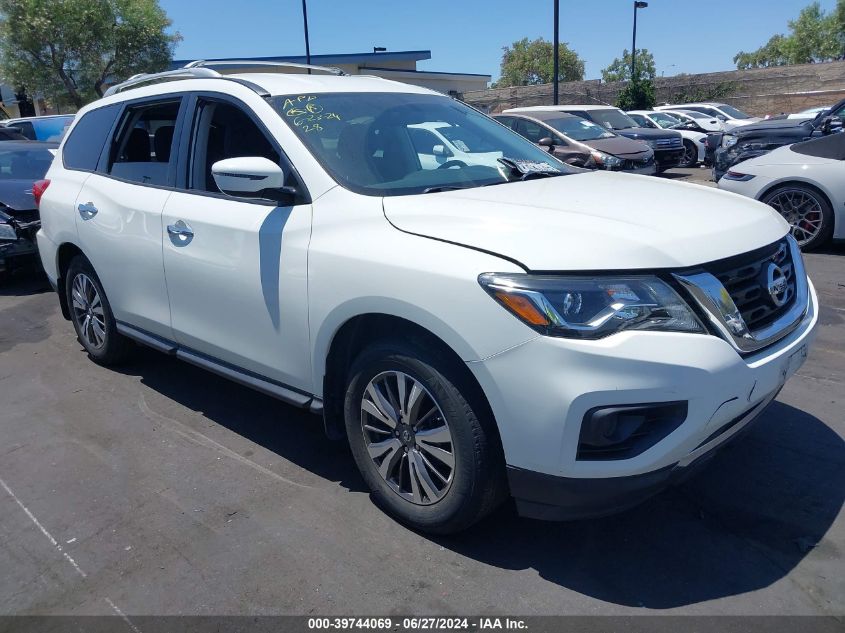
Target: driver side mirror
point(548, 142)
point(441, 150)
point(252, 177)
point(831, 123)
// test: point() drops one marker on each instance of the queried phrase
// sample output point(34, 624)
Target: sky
point(689, 36)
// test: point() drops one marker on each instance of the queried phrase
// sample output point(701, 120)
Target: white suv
point(578, 340)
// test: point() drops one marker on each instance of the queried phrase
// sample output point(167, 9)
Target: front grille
point(745, 277)
point(631, 164)
point(669, 143)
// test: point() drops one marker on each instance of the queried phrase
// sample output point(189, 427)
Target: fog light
point(625, 431)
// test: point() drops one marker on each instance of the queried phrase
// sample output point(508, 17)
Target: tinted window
point(530, 130)
point(141, 151)
point(51, 128)
point(505, 120)
point(10, 134)
point(221, 131)
point(83, 148)
point(25, 128)
point(24, 164)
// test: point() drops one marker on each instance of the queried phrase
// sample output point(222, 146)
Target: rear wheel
point(690, 158)
point(429, 456)
point(807, 211)
point(91, 315)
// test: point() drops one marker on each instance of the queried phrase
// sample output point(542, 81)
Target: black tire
point(691, 150)
point(478, 479)
point(115, 347)
point(824, 233)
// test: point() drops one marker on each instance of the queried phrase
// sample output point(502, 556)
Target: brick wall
point(759, 92)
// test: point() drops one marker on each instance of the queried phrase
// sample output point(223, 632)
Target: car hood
point(647, 133)
point(592, 221)
point(619, 146)
point(17, 194)
point(798, 127)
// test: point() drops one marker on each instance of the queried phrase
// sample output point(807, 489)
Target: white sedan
point(694, 146)
point(804, 182)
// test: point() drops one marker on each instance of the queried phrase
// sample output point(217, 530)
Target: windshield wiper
point(440, 188)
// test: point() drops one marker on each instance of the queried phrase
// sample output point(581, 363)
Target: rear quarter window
point(85, 144)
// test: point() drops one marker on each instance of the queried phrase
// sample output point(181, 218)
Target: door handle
point(180, 231)
point(87, 210)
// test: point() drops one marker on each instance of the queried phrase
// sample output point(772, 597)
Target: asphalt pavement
point(159, 488)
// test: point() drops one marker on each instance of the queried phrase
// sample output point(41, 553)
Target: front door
point(237, 269)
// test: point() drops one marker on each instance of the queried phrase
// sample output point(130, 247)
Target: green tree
point(620, 69)
point(527, 63)
point(68, 49)
point(815, 36)
point(638, 94)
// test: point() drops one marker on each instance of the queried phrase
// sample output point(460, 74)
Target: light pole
point(638, 4)
point(307, 44)
point(556, 47)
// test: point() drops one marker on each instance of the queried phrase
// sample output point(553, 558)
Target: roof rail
point(136, 80)
point(205, 63)
point(201, 69)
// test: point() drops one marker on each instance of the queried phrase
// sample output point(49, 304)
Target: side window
point(222, 130)
point(83, 148)
point(506, 120)
point(423, 140)
point(530, 130)
point(26, 128)
point(141, 150)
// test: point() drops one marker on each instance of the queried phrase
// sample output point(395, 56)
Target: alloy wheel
point(88, 311)
point(802, 210)
point(690, 155)
point(407, 437)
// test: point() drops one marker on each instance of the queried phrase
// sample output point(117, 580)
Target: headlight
point(606, 160)
point(7, 232)
point(591, 307)
point(729, 140)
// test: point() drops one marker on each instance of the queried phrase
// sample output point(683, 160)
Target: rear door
point(118, 211)
point(237, 268)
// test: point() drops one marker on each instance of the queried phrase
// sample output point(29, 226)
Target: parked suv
point(668, 145)
point(41, 128)
point(575, 339)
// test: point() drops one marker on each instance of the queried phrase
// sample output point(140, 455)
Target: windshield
point(24, 164)
point(579, 129)
point(693, 114)
point(733, 112)
point(665, 120)
point(390, 144)
point(613, 119)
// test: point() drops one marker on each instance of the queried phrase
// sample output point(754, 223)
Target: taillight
point(38, 189)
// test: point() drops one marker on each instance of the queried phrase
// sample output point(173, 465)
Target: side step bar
point(253, 381)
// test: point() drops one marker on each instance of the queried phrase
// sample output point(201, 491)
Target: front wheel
point(690, 158)
point(808, 212)
point(429, 455)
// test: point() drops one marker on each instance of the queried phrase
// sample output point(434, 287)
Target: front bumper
point(551, 498)
point(666, 159)
point(541, 391)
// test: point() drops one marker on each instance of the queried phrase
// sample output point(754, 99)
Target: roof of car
point(543, 115)
point(39, 118)
point(559, 108)
point(273, 83)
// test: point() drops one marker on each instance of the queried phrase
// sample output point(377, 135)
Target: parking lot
point(162, 489)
